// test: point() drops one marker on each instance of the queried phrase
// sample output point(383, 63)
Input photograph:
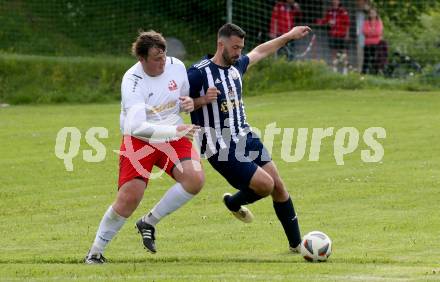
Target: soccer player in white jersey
point(154, 91)
point(227, 140)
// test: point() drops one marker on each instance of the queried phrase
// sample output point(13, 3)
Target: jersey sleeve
point(131, 91)
point(185, 87)
point(133, 103)
point(195, 80)
point(184, 90)
point(242, 64)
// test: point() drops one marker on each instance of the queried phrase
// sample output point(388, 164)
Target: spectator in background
point(311, 10)
point(373, 31)
point(338, 19)
point(284, 15)
point(382, 56)
point(362, 8)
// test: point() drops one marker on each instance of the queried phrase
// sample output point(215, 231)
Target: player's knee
point(130, 200)
point(193, 183)
point(265, 186)
point(127, 203)
point(198, 182)
point(269, 185)
point(278, 184)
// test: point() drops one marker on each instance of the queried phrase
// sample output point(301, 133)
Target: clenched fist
point(186, 104)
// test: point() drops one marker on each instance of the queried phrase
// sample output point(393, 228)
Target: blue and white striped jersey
point(224, 119)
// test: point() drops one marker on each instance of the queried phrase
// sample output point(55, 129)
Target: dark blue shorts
point(238, 163)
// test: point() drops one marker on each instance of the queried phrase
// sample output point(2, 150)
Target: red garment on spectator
point(283, 18)
point(373, 31)
point(338, 20)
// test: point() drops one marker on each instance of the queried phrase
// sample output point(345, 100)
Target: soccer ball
point(316, 246)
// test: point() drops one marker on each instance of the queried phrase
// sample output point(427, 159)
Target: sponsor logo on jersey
point(234, 74)
point(231, 93)
point(226, 106)
point(172, 85)
point(161, 108)
point(218, 81)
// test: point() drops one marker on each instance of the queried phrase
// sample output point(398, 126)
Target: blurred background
point(404, 37)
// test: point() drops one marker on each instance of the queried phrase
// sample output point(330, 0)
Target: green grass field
point(383, 217)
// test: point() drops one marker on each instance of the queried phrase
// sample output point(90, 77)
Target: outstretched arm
point(268, 48)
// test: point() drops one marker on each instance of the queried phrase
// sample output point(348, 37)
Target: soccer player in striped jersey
point(226, 138)
point(154, 91)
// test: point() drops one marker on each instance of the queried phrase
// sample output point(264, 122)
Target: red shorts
point(138, 157)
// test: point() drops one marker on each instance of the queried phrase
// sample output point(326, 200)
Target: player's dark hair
point(147, 40)
point(229, 29)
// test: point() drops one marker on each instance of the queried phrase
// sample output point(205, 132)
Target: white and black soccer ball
point(316, 246)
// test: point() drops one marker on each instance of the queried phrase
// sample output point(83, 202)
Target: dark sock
point(242, 197)
point(287, 216)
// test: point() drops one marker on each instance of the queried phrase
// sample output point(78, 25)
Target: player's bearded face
point(227, 57)
point(232, 49)
point(154, 64)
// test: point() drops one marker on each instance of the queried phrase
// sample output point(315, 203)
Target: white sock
point(173, 199)
point(110, 224)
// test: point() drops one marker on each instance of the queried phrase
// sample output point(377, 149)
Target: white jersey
point(153, 99)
